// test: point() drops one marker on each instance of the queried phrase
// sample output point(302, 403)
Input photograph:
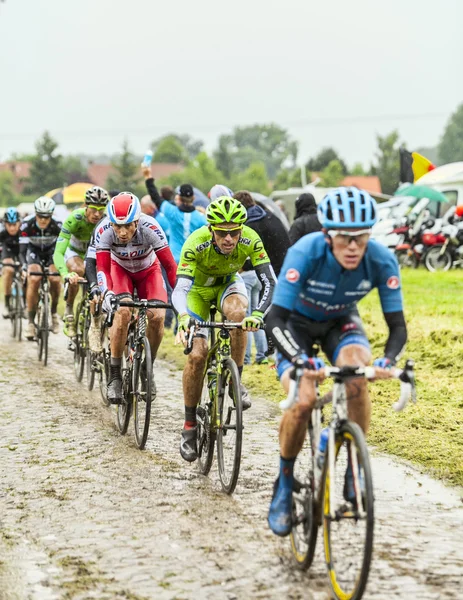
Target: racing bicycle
point(16, 300)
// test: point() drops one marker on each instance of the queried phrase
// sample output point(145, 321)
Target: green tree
point(47, 170)
point(319, 162)
point(332, 174)
point(74, 170)
point(126, 175)
point(287, 178)
point(268, 143)
point(7, 195)
point(169, 150)
point(254, 179)
point(202, 172)
point(357, 169)
point(451, 143)
point(387, 167)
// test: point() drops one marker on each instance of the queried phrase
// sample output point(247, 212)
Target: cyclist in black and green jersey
point(72, 245)
point(208, 274)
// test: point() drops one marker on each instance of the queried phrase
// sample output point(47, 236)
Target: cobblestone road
point(84, 514)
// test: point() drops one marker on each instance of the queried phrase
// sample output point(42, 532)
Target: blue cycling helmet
point(347, 208)
point(11, 215)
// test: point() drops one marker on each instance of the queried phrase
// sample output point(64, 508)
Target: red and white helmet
point(124, 208)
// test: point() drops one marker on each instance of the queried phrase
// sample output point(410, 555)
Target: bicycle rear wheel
point(305, 526)
point(142, 391)
point(18, 310)
point(348, 530)
point(124, 410)
point(230, 432)
point(206, 436)
point(79, 351)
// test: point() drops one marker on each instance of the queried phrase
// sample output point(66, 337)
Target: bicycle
point(138, 386)
point(79, 343)
point(220, 411)
point(319, 487)
point(17, 300)
point(43, 312)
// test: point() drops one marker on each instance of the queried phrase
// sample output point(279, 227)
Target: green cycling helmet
point(226, 210)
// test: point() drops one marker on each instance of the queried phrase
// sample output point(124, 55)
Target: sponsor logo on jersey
point(246, 242)
point(393, 282)
point(364, 285)
point(203, 246)
point(292, 275)
point(262, 255)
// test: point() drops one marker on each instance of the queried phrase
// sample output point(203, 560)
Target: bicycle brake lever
point(189, 346)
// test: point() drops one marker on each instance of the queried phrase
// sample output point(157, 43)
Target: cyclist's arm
point(153, 192)
point(275, 323)
point(167, 261)
point(180, 293)
point(23, 244)
point(61, 246)
point(185, 277)
point(266, 277)
point(397, 335)
point(103, 260)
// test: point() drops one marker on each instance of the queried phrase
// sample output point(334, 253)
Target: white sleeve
point(180, 293)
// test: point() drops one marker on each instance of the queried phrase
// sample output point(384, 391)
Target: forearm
point(103, 262)
point(180, 293)
point(153, 192)
point(267, 280)
point(276, 327)
point(90, 271)
point(397, 335)
point(167, 261)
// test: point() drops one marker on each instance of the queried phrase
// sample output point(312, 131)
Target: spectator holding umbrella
point(306, 220)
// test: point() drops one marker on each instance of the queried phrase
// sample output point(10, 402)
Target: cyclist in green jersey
point(72, 245)
point(208, 274)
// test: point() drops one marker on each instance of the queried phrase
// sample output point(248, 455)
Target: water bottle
point(324, 435)
point(146, 162)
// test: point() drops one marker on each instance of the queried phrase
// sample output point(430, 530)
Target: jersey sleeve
point(257, 254)
point(293, 275)
point(61, 246)
point(188, 261)
point(388, 283)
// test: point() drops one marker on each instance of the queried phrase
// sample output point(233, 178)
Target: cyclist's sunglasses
point(360, 237)
point(42, 216)
point(96, 207)
point(222, 233)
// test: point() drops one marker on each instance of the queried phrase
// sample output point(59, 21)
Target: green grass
point(429, 434)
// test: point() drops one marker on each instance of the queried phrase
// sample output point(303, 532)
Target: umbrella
point(422, 191)
point(72, 194)
point(200, 198)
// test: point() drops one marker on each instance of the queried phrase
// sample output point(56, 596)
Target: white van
point(447, 179)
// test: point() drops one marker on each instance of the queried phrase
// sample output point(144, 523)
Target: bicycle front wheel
point(142, 392)
point(230, 430)
point(15, 317)
point(348, 514)
point(304, 524)
point(79, 350)
point(19, 310)
point(104, 360)
point(124, 410)
point(206, 432)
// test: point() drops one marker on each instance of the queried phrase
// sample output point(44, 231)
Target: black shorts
point(34, 257)
point(9, 252)
point(330, 335)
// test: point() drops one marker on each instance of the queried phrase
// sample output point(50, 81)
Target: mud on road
point(84, 514)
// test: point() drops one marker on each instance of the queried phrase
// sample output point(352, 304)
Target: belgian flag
point(413, 166)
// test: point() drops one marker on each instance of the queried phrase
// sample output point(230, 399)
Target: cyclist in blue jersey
point(323, 277)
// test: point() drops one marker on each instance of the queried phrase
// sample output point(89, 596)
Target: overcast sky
point(334, 73)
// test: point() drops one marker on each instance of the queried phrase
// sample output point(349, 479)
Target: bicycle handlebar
point(194, 325)
point(47, 273)
point(406, 377)
point(115, 303)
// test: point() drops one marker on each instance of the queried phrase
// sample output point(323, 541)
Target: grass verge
point(429, 434)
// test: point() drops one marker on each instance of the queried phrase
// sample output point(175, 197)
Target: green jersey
point(75, 235)
point(206, 266)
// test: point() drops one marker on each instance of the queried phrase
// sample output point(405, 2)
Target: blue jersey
point(313, 283)
point(181, 224)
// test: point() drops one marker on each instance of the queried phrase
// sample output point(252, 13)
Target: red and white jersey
point(140, 252)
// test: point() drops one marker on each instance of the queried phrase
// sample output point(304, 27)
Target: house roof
point(369, 183)
point(98, 174)
point(20, 170)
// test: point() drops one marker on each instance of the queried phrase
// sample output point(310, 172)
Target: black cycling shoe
point(188, 446)
point(245, 399)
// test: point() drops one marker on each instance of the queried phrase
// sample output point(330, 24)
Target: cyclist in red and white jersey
point(129, 255)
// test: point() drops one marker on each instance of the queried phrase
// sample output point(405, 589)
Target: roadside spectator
point(306, 220)
point(183, 217)
point(167, 193)
point(276, 242)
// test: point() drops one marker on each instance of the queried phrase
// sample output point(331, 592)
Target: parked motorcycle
point(416, 241)
point(448, 254)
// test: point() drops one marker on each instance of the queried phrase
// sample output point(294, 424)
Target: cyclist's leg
point(233, 302)
point(7, 276)
point(74, 264)
point(198, 303)
point(293, 428)
point(150, 285)
point(32, 294)
point(122, 287)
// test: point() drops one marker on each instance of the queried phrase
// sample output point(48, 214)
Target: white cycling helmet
point(44, 205)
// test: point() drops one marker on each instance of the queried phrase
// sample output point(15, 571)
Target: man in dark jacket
point(269, 227)
point(306, 220)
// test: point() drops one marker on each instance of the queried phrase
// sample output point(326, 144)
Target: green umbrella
point(422, 191)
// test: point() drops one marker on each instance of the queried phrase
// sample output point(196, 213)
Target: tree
point(202, 173)
point(47, 170)
point(254, 179)
point(287, 178)
point(323, 159)
point(388, 162)
point(451, 143)
point(175, 148)
point(74, 170)
point(268, 143)
point(7, 195)
point(332, 174)
point(357, 169)
point(169, 150)
point(126, 166)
